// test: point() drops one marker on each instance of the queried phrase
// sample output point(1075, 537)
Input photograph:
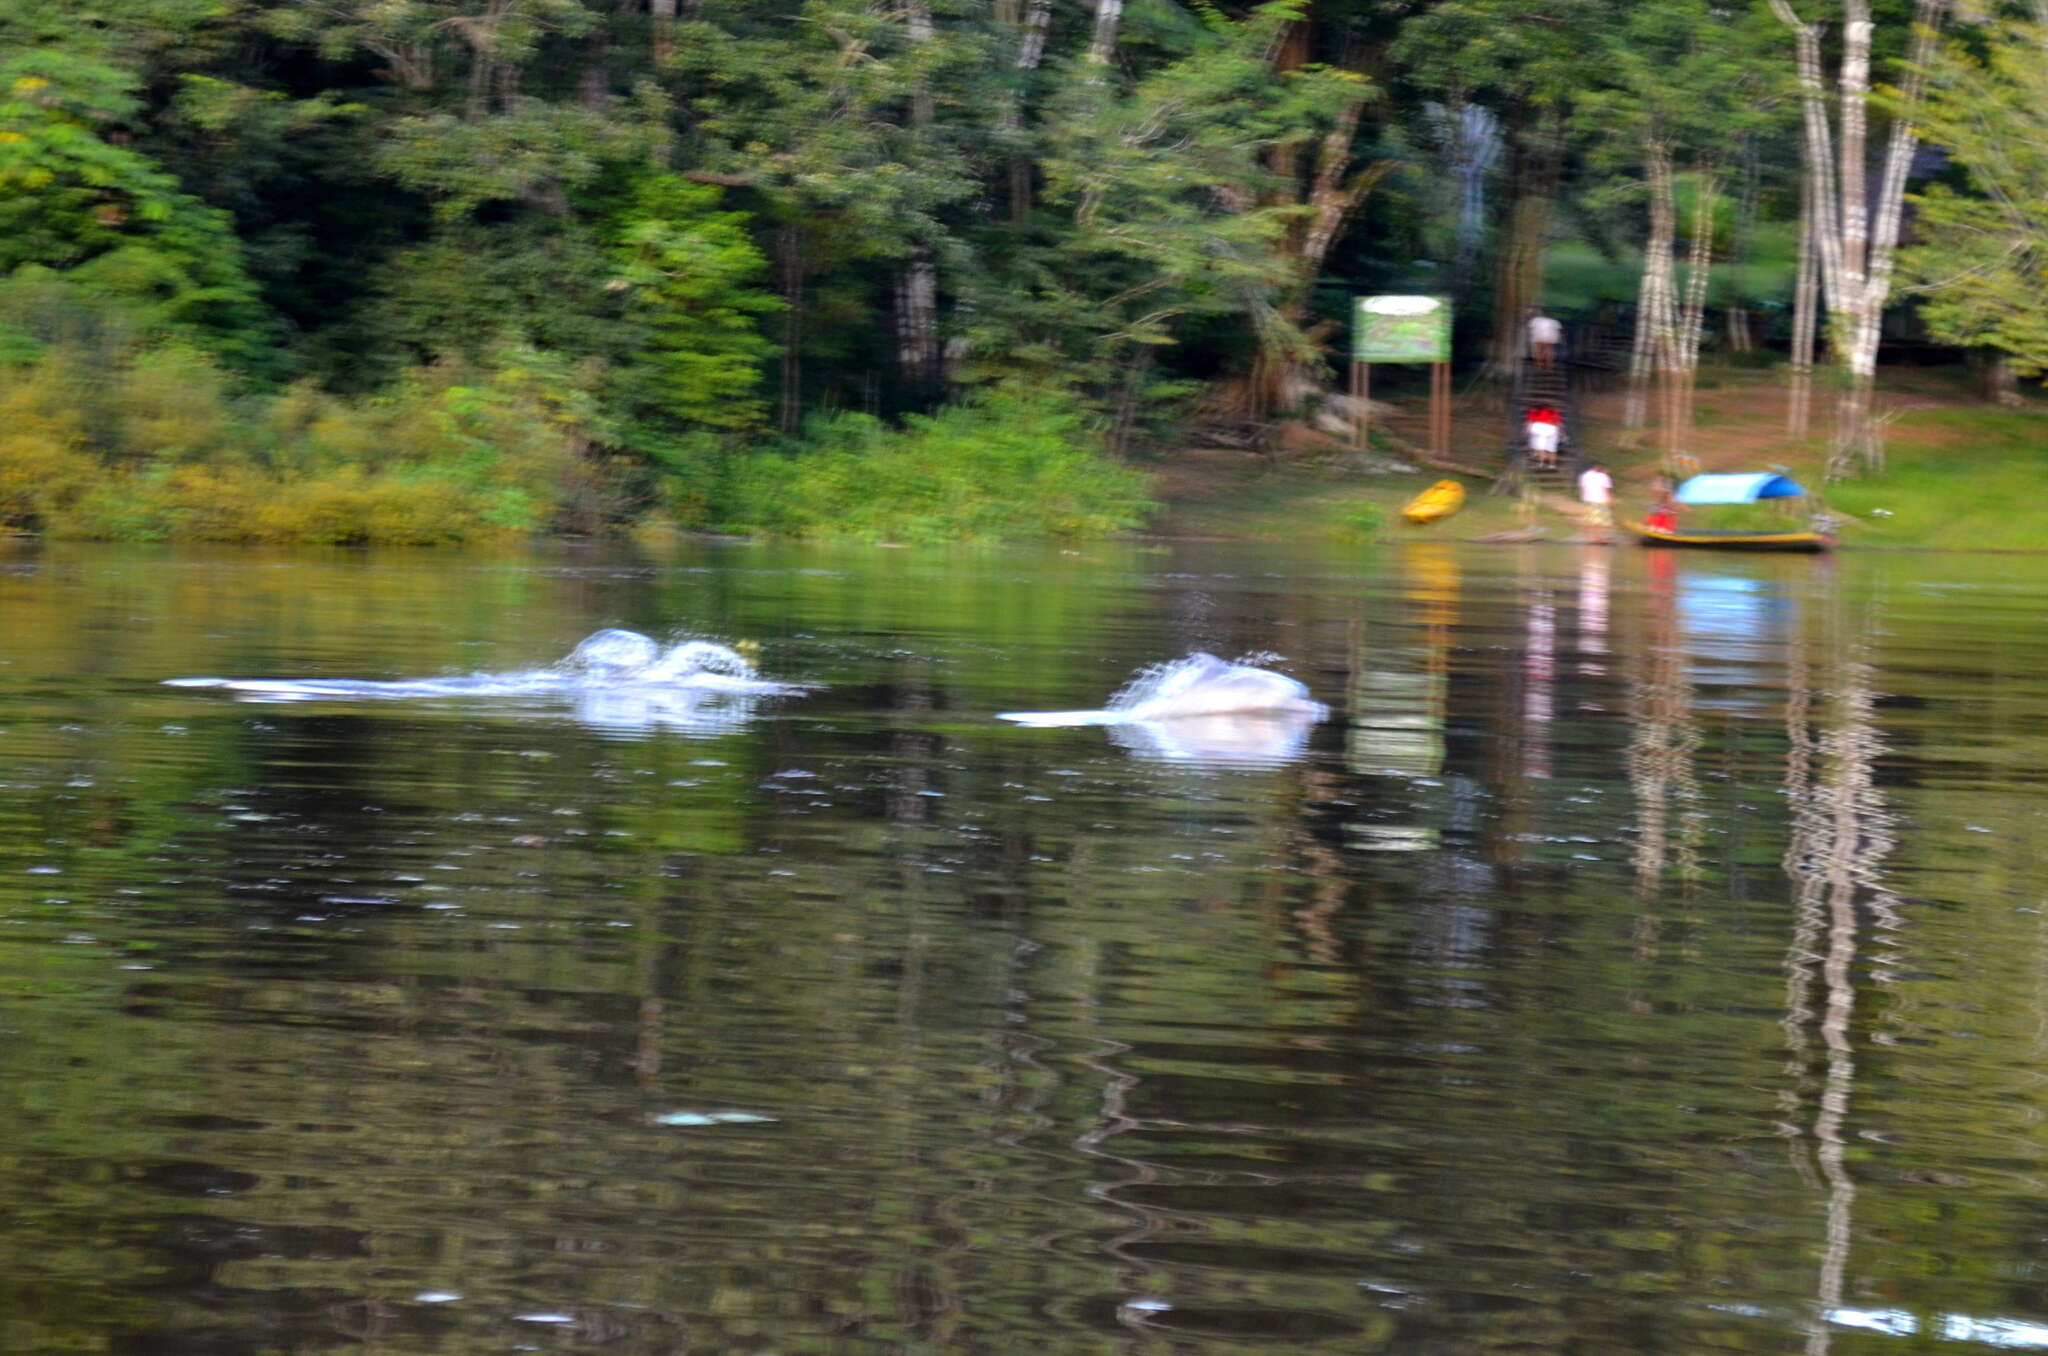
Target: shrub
point(133, 441)
point(1360, 516)
point(1009, 462)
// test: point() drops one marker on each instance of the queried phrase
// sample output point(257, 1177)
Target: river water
point(1650, 953)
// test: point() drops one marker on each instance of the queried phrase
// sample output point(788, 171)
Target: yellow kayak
point(1440, 500)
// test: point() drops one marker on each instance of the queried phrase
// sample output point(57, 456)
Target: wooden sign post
point(1403, 330)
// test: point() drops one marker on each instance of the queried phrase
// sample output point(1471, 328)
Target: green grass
point(1957, 479)
point(1310, 503)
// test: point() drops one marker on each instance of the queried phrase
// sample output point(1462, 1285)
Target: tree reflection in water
point(1841, 833)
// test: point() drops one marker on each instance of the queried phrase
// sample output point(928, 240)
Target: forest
point(436, 271)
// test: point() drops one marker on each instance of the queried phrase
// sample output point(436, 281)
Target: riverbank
point(1960, 474)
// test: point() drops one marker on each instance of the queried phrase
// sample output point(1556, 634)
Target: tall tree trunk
point(1998, 381)
point(1533, 166)
point(789, 268)
point(1653, 357)
point(1641, 362)
point(1031, 37)
point(1331, 196)
point(1290, 54)
point(1741, 337)
point(917, 25)
point(1137, 369)
point(1474, 139)
point(662, 23)
point(917, 324)
point(1692, 326)
point(1857, 234)
point(1647, 349)
point(1805, 315)
point(917, 285)
point(1102, 47)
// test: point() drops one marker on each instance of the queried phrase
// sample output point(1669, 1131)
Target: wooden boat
point(1744, 487)
point(1733, 541)
point(1440, 500)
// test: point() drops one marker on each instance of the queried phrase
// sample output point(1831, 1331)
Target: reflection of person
point(1545, 334)
point(1596, 492)
point(1544, 429)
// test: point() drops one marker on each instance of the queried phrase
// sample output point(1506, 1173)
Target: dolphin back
point(1226, 689)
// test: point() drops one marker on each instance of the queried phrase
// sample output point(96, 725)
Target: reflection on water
point(1647, 954)
point(1990, 1332)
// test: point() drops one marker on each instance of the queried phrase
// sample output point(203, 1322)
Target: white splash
point(1202, 709)
point(1238, 739)
point(615, 678)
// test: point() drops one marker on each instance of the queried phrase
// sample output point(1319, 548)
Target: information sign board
point(1401, 330)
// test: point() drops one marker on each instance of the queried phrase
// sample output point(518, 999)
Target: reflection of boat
point(1440, 500)
point(1734, 541)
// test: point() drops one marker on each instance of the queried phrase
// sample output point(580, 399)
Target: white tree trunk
point(1033, 29)
point(1653, 298)
point(1102, 48)
point(1031, 45)
point(917, 286)
point(1805, 316)
point(917, 322)
point(1692, 320)
point(1635, 407)
point(917, 23)
point(1856, 236)
point(1657, 345)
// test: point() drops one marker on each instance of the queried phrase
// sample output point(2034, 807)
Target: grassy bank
point(1959, 474)
point(161, 448)
point(1959, 480)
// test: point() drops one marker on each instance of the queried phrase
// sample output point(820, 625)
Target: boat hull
point(1733, 541)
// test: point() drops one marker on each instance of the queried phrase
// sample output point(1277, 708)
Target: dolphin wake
point(614, 678)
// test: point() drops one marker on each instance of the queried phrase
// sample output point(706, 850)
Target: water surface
point(1649, 954)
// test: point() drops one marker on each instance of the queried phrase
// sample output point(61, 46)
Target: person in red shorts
point(1544, 428)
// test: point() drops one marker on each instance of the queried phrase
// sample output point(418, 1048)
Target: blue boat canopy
point(1739, 489)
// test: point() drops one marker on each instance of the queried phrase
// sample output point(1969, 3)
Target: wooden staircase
point(1557, 385)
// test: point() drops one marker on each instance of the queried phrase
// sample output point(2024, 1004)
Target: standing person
point(1663, 515)
point(1544, 428)
point(1545, 334)
point(1596, 492)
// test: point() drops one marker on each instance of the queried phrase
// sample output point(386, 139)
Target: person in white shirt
point(1596, 492)
point(1545, 334)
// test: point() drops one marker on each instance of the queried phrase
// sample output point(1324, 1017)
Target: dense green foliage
point(1007, 463)
point(557, 264)
point(1984, 260)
